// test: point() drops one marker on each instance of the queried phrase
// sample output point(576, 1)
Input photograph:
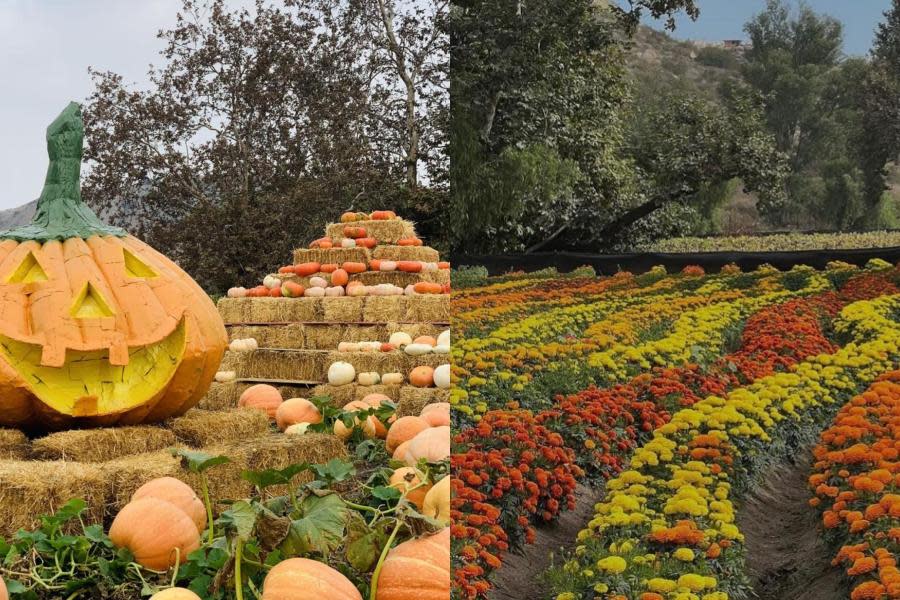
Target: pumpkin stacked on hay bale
point(372, 278)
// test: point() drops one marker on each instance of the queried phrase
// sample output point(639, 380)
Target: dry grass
point(200, 428)
point(375, 309)
point(270, 310)
point(14, 445)
point(326, 336)
point(423, 253)
point(29, 489)
point(386, 232)
point(428, 309)
point(331, 255)
point(346, 309)
point(412, 400)
point(274, 451)
point(99, 445)
point(225, 396)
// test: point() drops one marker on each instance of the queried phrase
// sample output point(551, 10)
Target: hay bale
point(225, 396)
point(343, 309)
point(98, 445)
point(125, 475)
point(272, 363)
point(14, 445)
point(428, 309)
point(412, 399)
point(389, 252)
point(331, 255)
point(289, 335)
point(381, 309)
point(342, 394)
point(270, 310)
point(199, 428)
point(29, 489)
point(386, 232)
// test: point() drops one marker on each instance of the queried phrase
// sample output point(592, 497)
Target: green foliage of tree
point(262, 123)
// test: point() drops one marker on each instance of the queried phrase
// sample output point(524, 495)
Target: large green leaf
point(320, 530)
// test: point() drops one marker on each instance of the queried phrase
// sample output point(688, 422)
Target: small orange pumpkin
point(409, 266)
point(175, 593)
point(306, 579)
point(369, 428)
point(408, 480)
point(404, 429)
point(422, 376)
point(383, 215)
point(354, 267)
point(366, 242)
point(306, 269)
point(432, 444)
point(418, 568)
point(175, 492)
point(436, 414)
point(296, 410)
point(323, 243)
point(427, 287)
point(339, 277)
point(409, 242)
point(4, 594)
point(153, 529)
point(354, 232)
point(329, 268)
point(261, 397)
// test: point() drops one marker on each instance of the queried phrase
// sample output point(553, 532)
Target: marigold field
point(673, 393)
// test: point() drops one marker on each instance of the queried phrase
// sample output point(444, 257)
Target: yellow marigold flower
point(612, 564)
point(660, 584)
point(684, 554)
point(601, 588)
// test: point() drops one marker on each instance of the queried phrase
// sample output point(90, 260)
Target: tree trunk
point(412, 127)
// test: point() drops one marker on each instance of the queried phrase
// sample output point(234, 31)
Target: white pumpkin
point(388, 265)
point(348, 243)
point(417, 349)
point(369, 346)
point(297, 429)
point(341, 373)
point(237, 292)
point(334, 291)
point(400, 339)
point(444, 338)
point(441, 349)
point(429, 267)
point(392, 378)
point(270, 281)
point(368, 378)
point(318, 282)
point(358, 290)
point(442, 377)
point(348, 347)
point(243, 345)
point(410, 290)
point(226, 376)
point(314, 292)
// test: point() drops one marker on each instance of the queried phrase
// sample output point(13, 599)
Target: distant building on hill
point(739, 46)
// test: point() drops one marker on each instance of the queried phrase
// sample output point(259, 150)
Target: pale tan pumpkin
point(432, 444)
point(369, 426)
point(418, 569)
point(157, 532)
point(437, 414)
point(176, 593)
point(409, 481)
point(400, 451)
point(178, 493)
point(437, 501)
point(305, 579)
point(261, 397)
point(296, 410)
point(404, 429)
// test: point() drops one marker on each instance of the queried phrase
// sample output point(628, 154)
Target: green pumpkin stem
point(60, 212)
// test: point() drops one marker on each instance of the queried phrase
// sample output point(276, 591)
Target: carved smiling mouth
point(88, 385)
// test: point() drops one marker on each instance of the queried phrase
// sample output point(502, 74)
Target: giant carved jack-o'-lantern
point(96, 327)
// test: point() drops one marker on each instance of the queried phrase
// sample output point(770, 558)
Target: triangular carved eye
point(28, 271)
point(136, 268)
point(90, 304)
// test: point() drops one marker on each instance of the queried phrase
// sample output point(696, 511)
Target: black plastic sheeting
point(608, 264)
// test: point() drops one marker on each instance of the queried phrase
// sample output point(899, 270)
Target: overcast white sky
point(46, 47)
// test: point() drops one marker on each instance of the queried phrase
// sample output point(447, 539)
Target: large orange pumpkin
point(178, 493)
point(96, 327)
point(261, 396)
point(153, 529)
point(419, 568)
point(403, 430)
point(432, 444)
point(305, 579)
point(175, 594)
point(296, 410)
point(4, 594)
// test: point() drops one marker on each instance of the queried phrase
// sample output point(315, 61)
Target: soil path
point(518, 579)
point(786, 556)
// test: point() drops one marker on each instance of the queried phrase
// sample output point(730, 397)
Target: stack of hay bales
point(298, 337)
